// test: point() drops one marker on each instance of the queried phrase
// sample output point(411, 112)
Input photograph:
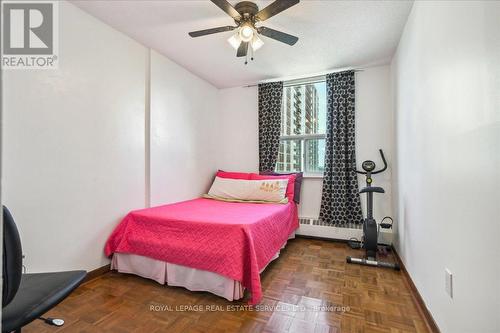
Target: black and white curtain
point(270, 95)
point(340, 203)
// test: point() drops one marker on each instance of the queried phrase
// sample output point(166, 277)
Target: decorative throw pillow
point(297, 183)
point(268, 190)
point(290, 187)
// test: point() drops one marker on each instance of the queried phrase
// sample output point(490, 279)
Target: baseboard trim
point(94, 274)
point(417, 298)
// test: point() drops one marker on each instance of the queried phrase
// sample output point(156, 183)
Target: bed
point(204, 244)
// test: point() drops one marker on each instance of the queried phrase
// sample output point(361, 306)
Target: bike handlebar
point(378, 171)
point(383, 160)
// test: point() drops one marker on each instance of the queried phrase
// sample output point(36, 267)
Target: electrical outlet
point(448, 282)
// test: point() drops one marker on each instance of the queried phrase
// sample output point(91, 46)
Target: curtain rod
point(303, 77)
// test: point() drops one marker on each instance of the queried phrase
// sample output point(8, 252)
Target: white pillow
point(266, 190)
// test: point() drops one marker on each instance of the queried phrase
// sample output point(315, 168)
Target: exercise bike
point(370, 228)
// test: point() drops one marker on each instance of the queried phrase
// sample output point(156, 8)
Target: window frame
point(303, 138)
point(304, 158)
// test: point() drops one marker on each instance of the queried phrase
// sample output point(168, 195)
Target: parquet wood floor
point(304, 291)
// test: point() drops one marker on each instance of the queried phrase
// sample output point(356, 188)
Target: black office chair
point(26, 297)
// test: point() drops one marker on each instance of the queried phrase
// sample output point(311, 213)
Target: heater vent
point(308, 221)
point(317, 222)
point(305, 221)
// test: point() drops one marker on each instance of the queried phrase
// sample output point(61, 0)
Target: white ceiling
point(332, 35)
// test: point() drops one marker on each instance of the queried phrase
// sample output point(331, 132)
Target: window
point(303, 128)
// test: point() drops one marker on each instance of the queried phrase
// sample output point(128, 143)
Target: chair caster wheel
point(53, 321)
point(57, 322)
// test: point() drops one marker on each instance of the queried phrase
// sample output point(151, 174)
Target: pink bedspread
point(236, 240)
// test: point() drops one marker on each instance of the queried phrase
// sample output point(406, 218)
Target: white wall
point(373, 132)
point(73, 144)
point(238, 109)
point(183, 132)
point(447, 122)
point(76, 155)
point(239, 135)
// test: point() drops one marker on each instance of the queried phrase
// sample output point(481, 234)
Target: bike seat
point(372, 189)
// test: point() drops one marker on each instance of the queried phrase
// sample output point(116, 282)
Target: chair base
point(37, 294)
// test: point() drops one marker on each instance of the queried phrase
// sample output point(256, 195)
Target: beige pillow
point(266, 190)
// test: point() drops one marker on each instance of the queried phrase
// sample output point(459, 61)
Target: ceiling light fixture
point(246, 32)
point(256, 42)
point(235, 40)
point(247, 29)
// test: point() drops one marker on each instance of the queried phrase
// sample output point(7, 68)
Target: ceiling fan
point(246, 15)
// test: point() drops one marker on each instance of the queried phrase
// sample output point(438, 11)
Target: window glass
point(315, 155)
point(304, 109)
point(290, 156)
point(303, 128)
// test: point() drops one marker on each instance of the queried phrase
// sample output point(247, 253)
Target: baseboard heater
point(310, 226)
point(313, 227)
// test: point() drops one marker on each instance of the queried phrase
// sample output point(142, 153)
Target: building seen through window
point(303, 123)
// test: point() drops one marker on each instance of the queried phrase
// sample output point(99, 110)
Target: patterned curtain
point(340, 203)
point(270, 95)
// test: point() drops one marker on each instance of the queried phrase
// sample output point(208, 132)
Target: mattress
point(234, 240)
point(181, 276)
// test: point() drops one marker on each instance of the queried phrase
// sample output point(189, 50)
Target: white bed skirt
point(181, 276)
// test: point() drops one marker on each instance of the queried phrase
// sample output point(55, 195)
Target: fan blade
point(226, 6)
point(275, 8)
point(278, 35)
point(242, 50)
point(210, 31)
